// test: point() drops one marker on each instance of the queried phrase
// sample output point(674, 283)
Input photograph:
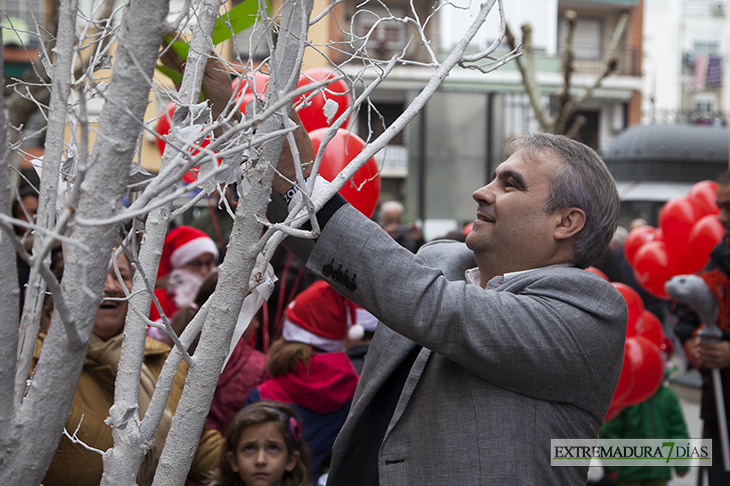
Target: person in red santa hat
point(188, 255)
point(309, 370)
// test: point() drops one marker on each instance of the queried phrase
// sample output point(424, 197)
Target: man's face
point(30, 203)
point(203, 265)
point(512, 231)
point(723, 202)
point(111, 314)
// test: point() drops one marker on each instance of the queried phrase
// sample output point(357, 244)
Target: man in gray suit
point(486, 350)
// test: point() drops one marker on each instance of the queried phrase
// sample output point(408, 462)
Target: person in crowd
point(659, 417)
point(504, 342)
point(74, 464)
point(245, 369)
point(391, 220)
point(708, 355)
point(359, 337)
point(309, 370)
point(188, 255)
point(24, 208)
point(487, 350)
point(263, 447)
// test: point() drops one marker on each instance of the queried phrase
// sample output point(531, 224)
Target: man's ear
point(572, 220)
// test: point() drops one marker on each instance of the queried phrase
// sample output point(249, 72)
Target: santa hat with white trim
point(318, 316)
point(183, 245)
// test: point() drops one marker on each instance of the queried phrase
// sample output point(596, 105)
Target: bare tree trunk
point(132, 436)
point(526, 65)
point(9, 292)
point(44, 411)
point(46, 216)
point(189, 419)
point(567, 103)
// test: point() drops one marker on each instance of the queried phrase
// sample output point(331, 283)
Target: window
point(708, 48)
point(587, 38)
point(372, 123)
point(20, 14)
point(704, 103)
point(388, 35)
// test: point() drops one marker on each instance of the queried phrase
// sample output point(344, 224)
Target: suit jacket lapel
point(416, 371)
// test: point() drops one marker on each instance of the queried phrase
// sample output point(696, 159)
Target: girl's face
point(261, 458)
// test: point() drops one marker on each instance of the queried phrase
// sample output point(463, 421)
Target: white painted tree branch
point(45, 217)
point(194, 404)
point(130, 444)
point(46, 406)
point(9, 292)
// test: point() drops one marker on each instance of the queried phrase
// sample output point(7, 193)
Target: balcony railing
point(687, 117)
point(590, 59)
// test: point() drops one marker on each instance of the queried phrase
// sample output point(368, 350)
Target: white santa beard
point(183, 286)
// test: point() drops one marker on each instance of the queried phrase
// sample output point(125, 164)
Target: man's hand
point(692, 352)
point(216, 85)
point(285, 166)
point(217, 89)
point(715, 355)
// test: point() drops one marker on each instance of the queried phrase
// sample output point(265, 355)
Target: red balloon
point(256, 86)
point(363, 189)
point(625, 382)
point(650, 327)
point(164, 123)
point(633, 302)
point(598, 272)
point(636, 238)
point(704, 195)
point(676, 219)
point(648, 369)
point(312, 114)
point(651, 267)
point(705, 234)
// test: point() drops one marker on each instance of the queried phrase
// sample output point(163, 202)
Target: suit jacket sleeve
point(543, 337)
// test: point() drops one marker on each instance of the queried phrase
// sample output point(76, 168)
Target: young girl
point(263, 447)
point(309, 370)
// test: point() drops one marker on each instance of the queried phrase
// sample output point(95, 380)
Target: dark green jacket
point(659, 417)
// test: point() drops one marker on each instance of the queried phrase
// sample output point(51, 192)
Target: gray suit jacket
point(501, 371)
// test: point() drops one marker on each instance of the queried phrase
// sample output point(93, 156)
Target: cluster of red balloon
point(688, 230)
point(363, 189)
point(643, 366)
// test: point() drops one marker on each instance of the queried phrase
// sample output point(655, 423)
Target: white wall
point(541, 14)
point(671, 27)
point(662, 55)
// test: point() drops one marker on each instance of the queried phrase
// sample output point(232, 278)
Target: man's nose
point(111, 284)
point(484, 193)
point(723, 216)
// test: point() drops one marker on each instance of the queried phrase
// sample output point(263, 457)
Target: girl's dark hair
point(283, 356)
point(257, 414)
